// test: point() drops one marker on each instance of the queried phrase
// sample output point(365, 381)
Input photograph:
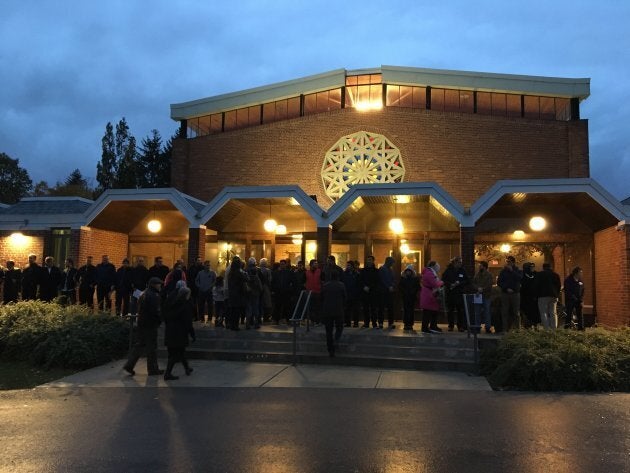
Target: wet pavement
point(242, 417)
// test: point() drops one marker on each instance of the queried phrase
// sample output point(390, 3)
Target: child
point(219, 302)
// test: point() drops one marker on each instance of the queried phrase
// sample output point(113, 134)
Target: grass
point(23, 375)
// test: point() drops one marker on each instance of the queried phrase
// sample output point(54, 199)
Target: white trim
point(263, 192)
point(548, 186)
point(400, 188)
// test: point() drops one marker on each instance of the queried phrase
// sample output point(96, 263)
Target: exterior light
point(396, 226)
point(18, 239)
point(537, 223)
point(270, 225)
point(505, 248)
point(404, 249)
point(311, 247)
point(518, 234)
point(281, 230)
point(154, 226)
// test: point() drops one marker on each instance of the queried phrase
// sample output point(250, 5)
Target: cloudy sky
point(67, 68)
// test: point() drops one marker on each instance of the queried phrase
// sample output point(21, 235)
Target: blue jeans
point(484, 308)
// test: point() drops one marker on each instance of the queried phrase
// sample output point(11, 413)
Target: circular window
point(360, 158)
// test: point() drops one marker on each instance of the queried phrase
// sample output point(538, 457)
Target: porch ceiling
point(248, 215)
point(131, 217)
point(564, 212)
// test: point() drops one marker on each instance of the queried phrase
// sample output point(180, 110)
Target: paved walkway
point(223, 374)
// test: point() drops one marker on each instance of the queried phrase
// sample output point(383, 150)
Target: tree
point(15, 182)
point(127, 165)
point(154, 163)
point(106, 169)
point(74, 185)
point(40, 189)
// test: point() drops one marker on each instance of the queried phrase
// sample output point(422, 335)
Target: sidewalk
point(238, 374)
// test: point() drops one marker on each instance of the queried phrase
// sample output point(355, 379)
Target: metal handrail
point(298, 320)
point(475, 328)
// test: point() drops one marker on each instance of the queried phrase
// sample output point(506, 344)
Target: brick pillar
point(75, 245)
point(467, 249)
point(196, 244)
point(324, 240)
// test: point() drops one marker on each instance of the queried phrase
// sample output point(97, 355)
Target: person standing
point(138, 278)
point(314, 284)
point(86, 277)
point(529, 297)
point(12, 283)
point(510, 283)
point(351, 281)
point(50, 280)
point(149, 320)
point(254, 293)
point(105, 283)
point(483, 281)
point(31, 277)
point(548, 290)
point(204, 282)
point(178, 321)
point(409, 286)
point(333, 303)
point(159, 269)
point(266, 305)
point(455, 281)
point(69, 284)
point(237, 293)
point(387, 288)
point(370, 283)
point(123, 288)
point(218, 295)
point(429, 300)
point(282, 285)
point(191, 277)
point(573, 297)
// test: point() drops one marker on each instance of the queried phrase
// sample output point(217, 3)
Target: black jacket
point(51, 279)
point(12, 284)
point(86, 276)
point(547, 284)
point(149, 309)
point(178, 319)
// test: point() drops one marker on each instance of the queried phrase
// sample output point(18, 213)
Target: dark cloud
point(68, 68)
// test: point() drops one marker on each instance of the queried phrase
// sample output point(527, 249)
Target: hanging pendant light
point(270, 224)
point(396, 224)
point(154, 224)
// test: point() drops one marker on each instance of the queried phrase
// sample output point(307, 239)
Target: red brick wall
point(19, 254)
point(612, 276)
point(442, 147)
point(96, 243)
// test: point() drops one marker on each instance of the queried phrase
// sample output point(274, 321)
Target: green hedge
point(51, 335)
point(561, 360)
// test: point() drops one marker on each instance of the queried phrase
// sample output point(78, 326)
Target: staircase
point(450, 351)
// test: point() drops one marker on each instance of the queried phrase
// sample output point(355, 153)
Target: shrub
point(48, 334)
point(562, 360)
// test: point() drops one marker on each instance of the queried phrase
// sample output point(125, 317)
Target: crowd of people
point(250, 293)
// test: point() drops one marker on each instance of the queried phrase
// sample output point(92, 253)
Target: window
point(60, 245)
point(364, 92)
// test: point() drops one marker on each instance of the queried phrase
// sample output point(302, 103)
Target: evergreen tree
point(150, 161)
point(40, 189)
point(15, 182)
point(128, 166)
point(75, 185)
point(164, 167)
point(106, 169)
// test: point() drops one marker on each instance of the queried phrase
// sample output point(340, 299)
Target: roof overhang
point(400, 188)
point(264, 192)
point(547, 186)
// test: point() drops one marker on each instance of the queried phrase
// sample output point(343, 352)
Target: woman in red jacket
point(429, 302)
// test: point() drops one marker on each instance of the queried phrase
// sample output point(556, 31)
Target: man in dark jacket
point(510, 283)
point(31, 277)
point(159, 269)
point(282, 287)
point(149, 319)
point(86, 277)
point(352, 282)
point(387, 288)
point(548, 290)
point(371, 285)
point(123, 288)
point(50, 280)
point(68, 285)
point(138, 277)
point(409, 286)
point(455, 280)
point(105, 283)
point(12, 282)
point(333, 303)
point(573, 297)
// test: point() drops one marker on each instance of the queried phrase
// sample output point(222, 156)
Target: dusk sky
point(67, 68)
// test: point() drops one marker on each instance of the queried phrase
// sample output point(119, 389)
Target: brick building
point(462, 160)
